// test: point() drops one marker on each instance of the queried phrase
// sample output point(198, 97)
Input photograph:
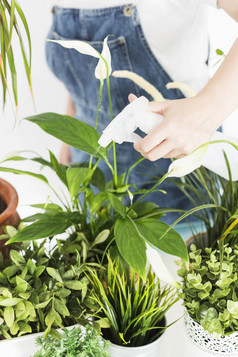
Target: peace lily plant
point(130, 227)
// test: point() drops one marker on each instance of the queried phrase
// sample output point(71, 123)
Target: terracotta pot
point(200, 240)
point(9, 216)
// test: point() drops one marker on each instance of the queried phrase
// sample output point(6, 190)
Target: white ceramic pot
point(19, 346)
point(150, 350)
point(200, 343)
point(24, 346)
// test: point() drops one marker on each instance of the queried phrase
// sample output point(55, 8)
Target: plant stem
point(98, 111)
point(151, 190)
point(113, 144)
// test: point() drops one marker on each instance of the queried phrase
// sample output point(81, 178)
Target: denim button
point(128, 11)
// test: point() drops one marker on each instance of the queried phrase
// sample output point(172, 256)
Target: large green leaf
point(130, 244)
point(71, 131)
point(154, 231)
point(117, 205)
point(49, 225)
point(21, 172)
point(75, 177)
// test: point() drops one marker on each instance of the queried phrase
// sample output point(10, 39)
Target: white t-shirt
point(176, 31)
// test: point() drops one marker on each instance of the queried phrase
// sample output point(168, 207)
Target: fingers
point(158, 151)
point(153, 139)
point(157, 107)
point(132, 97)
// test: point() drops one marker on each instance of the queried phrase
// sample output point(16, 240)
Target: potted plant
point(8, 213)
point(209, 282)
point(75, 342)
point(130, 310)
point(209, 292)
point(42, 289)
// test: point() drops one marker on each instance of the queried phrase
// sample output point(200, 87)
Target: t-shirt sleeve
point(210, 2)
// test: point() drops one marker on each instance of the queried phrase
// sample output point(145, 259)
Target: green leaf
point(42, 305)
point(47, 226)
point(55, 274)
point(74, 285)
point(152, 230)
point(98, 179)
point(9, 302)
point(104, 322)
point(14, 328)
point(232, 307)
point(10, 271)
point(75, 177)
point(71, 131)
point(131, 244)
point(8, 315)
point(24, 328)
point(39, 270)
point(31, 266)
point(17, 258)
point(58, 168)
point(101, 237)
point(117, 205)
point(22, 172)
point(61, 308)
point(98, 201)
point(50, 317)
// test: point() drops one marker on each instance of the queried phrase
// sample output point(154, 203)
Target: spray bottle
point(135, 115)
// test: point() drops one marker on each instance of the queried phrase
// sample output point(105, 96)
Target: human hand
point(187, 124)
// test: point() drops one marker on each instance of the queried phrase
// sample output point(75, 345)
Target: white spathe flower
point(80, 46)
point(185, 165)
point(86, 49)
point(159, 267)
point(101, 69)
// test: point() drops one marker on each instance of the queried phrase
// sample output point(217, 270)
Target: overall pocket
point(76, 71)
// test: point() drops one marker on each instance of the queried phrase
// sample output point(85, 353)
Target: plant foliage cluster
point(43, 289)
point(12, 18)
point(76, 342)
point(205, 187)
point(133, 308)
point(210, 288)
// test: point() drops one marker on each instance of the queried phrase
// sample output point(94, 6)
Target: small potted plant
point(42, 289)
point(130, 310)
point(209, 291)
point(209, 282)
point(78, 341)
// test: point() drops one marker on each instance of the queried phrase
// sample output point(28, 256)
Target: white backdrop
point(50, 95)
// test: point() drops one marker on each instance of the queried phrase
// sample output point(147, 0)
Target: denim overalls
point(129, 51)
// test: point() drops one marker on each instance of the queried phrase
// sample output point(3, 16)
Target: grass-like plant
point(12, 18)
point(210, 286)
point(205, 187)
point(76, 342)
point(133, 309)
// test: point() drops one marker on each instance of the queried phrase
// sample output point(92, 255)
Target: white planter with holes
point(200, 343)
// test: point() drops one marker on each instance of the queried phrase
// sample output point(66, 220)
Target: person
point(162, 41)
